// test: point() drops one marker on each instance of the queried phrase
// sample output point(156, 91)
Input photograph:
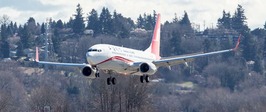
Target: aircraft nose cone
point(88, 54)
point(89, 57)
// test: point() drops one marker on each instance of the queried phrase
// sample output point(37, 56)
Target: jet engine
point(147, 68)
point(89, 71)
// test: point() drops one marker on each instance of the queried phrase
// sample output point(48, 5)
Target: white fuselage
point(115, 58)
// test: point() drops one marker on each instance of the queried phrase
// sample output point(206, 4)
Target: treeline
point(31, 33)
point(227, 82)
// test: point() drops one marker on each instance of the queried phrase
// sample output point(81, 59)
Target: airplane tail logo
point(154, 48)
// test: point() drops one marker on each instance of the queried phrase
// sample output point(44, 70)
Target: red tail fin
point(155, 43)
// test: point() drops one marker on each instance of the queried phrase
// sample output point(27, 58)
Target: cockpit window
point(94, 50)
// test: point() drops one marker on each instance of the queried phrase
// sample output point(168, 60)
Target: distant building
point(88, 32)
point(29, 52)
point(139, 32)
point(12, 53)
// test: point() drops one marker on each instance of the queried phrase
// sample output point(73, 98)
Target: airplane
point(126, 61)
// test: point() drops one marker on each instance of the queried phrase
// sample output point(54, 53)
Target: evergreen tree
point(185, 20)
point(43, 29)
point(31, 26)
point(15, 28)
point(59, 24)
point(93, 22)
point(56, 41)
point(20, 48)
point(175, 20)
point(4, 34)
point(10, 28)
point(26, 37)
point(239, 20)
point(154, 18)
point(52, 24)
point(225, 21)
point(20, 28)
point(149, 22)
point(248, 42)
point(175, 43)
point(70, 23)
point(78, 22)
point(258, 65)
point(5, 50)
point(121, 25)
point(105, 21)
point(116, 24)
point(140, 22)
point(249, 47)
point(186, 25)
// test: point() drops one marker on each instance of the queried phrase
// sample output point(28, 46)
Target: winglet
point(37, 55)
point(237, 44)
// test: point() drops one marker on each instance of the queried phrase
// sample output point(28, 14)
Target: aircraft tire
point(113, 80)
point(141, 79)
point(108, 81)
point(147, 78)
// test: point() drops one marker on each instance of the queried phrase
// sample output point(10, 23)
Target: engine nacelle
point(89, 71)
point(147, 68)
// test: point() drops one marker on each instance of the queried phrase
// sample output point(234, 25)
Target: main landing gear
point(144, 78)
point(111, 80)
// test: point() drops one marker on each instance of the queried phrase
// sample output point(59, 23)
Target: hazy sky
point(198, 10)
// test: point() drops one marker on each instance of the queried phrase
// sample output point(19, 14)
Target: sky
point(201, 12)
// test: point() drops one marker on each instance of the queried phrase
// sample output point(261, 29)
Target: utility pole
point(47, 31)
point(203, 25)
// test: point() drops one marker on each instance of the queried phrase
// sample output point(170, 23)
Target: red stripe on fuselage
point(116, 58)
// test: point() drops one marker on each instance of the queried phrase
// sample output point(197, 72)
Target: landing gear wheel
point(147, 79)
point(141, 79)
point(108, 80)
point(113, 80)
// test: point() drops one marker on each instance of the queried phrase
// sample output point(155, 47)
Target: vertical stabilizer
point(154, 48)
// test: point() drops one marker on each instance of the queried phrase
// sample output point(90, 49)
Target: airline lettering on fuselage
point(117, 49)
point(129, 53)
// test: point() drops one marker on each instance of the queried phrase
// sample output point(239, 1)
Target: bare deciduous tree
point(4, 19)
point(47, 98)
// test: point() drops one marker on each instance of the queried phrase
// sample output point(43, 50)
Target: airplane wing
point(187, 58)
point(63, 64)
point(57, 63)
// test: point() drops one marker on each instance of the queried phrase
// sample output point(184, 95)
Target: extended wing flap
point(171, 62)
